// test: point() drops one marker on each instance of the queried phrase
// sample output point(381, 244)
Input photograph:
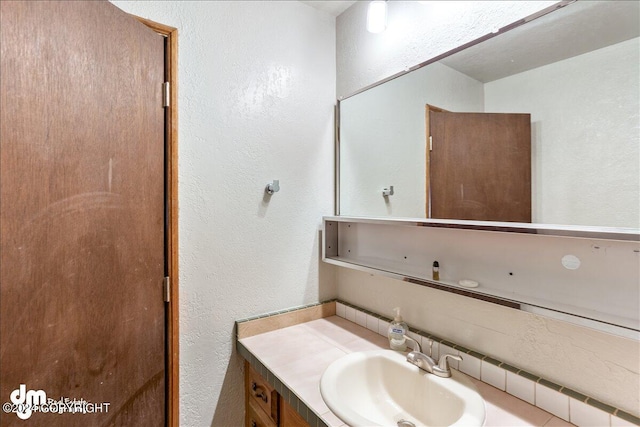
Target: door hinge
point(166, 289)
point(430, 143)
point(165, 94)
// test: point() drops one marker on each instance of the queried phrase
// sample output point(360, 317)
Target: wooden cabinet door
point(256, 417)
point(289, 417)
point(480, 166)
point(261, 394)
point(82, 211)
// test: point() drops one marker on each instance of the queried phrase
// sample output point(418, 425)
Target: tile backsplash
point(560, 401)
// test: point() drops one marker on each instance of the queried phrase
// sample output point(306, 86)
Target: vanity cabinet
point(264, 406)
point(256, 417)
point(289, 416)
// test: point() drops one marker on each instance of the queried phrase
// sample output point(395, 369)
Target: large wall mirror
point(539, 123)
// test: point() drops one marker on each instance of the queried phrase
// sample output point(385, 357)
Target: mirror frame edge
point(606, 233)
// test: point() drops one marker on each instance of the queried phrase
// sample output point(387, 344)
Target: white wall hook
point(273, 187)
point(387, 191)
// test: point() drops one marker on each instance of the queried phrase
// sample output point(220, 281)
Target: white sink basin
point(380, 388)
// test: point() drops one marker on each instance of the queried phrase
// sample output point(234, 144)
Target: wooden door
point(82, 211)
point(480, 166)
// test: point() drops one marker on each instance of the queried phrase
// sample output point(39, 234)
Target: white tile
point(521, 387)
point(416, 338)
point(361, 318)
point(372, 323)
point(340, 309)
point(619, 422)
point(383, 328)
point(584, 415)
point(552, 401)
point(470, 365)
point(350, 314)
point(435, 348)
point(445, 349)
point(493, 375)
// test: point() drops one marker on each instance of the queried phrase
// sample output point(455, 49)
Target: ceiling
point(333, 7)
point(578, 28)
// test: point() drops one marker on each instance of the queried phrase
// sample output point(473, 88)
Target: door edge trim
point(172, 333)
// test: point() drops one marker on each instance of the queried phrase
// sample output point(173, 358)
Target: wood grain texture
point(427, 111)
point(171, 171)
point(82, 210)
point(257, 418)
point(262, 395)
point(480, 166)
point(279, 321)
point(289, 417)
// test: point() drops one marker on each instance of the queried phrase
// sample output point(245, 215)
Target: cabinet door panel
point(289, 417)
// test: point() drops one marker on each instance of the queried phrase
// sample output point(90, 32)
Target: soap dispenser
point(397, 331)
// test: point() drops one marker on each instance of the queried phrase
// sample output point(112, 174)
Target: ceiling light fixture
point(377, 16)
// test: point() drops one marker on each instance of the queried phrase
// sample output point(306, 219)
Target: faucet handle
point(443, 363)
point(415, 345)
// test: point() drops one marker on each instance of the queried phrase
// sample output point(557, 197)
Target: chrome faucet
point(426, 363)
point(415, 345)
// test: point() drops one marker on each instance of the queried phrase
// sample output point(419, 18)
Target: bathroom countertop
point(298, 355)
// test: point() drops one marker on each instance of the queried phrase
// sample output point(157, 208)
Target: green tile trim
point(574, 394)
point(602, 406)
point(284, 310)
point(549, 384)
point(477, 355)
point(509, 368)
point(287, 394)
point(242, 350)
point(461, 349)
point(294, 401)
point(529, 375)
point(447, 343)
point(521, 372)
point(278, 385)
point(312, 418)
point(628, 417)
point(492, 361)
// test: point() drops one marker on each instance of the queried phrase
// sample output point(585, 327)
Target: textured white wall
point(585, 112)
point(256, 97)
point(585, 120)
point(578, 357)
point(382, 139)
point(416, 31)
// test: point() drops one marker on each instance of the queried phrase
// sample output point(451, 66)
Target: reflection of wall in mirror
point(382, 139)
point(585, 109)
point(585, 125)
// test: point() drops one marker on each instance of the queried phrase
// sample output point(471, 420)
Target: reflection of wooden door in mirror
point(480, 166)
